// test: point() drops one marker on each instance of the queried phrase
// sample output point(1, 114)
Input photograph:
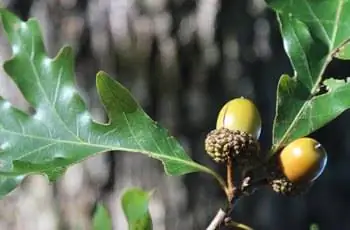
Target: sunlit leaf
point(61, 131)
point(313, 33)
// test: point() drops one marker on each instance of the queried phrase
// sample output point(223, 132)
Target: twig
point(231, 196)
point(237, 193)
point(218, 219)
point(229, 178)
point(221, 214)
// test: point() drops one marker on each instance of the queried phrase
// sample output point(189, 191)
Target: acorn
point(237, 128)
point(240, 114)
point(303, 160)
point(297, 166)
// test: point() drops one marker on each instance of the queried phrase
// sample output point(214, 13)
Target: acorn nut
point(297, 166)
point(303, 160)
point(240, 114)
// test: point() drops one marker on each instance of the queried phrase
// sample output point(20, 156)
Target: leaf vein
point(132, 133)
point(58, 84)
point(312, 13)
point(36, 73)
point(35, 150)
point(337, 18)
point(304, 57)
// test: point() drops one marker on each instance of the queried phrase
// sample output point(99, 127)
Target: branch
point(247, 188)
point(218, 219)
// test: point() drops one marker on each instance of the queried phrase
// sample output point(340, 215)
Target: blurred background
point(182, 59)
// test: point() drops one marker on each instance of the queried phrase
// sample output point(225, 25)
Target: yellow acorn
point(240, 114)
point(303, 160)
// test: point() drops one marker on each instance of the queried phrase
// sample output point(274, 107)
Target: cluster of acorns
point(290, 171)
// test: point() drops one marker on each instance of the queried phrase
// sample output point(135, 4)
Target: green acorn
point(240, 114)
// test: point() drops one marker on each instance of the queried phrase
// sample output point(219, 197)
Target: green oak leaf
point(101, 219)
point(313, 33)
point(60, 131)
point(135, 207)
point(317, 109)
point(326, 20)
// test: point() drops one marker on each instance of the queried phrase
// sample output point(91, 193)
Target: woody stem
point(229, 177)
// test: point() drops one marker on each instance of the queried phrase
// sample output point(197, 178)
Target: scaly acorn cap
point(218, 144)
point(246, 150)
point(287, 188)
point(224, 144)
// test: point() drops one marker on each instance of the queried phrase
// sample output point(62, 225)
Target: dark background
point(182, 59)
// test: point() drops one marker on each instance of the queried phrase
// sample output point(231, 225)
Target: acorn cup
point(219, 144)
point(224, 144)
point(287, 188)
point(293, 170)
point(238, 127)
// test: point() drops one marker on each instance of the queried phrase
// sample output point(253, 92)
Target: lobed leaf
point(61, 131)
point(313, 33)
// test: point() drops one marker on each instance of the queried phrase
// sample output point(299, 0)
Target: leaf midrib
point(111, 147)
point(80, 141)
point(159, 155)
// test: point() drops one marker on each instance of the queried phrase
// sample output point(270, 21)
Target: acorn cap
point(218, 144)
point(246, 149)
point(222, 144)
point(287, 188)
